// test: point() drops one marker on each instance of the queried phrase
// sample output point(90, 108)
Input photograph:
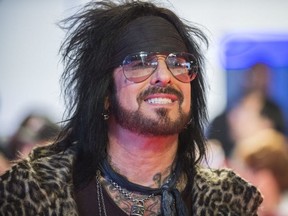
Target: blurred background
point(247, 71)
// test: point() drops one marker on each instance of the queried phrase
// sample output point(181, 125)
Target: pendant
point(137, 209)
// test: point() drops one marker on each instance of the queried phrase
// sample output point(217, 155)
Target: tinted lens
point(138, 67)
point(182, 65)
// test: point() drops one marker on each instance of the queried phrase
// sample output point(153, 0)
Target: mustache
point(164, 90)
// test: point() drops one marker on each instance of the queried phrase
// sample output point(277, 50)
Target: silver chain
point(138, 207)
point(100, 197)
point(138, 204)
point(128, 194)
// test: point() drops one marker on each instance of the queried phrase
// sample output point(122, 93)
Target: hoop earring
point(106, 115)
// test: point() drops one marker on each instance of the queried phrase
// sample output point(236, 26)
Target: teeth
point(159, 101)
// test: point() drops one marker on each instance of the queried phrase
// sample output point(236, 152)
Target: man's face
point(160, 105)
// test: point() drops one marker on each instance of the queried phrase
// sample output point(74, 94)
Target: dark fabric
point(86, 200)
point(171, 201)
point(150, 34)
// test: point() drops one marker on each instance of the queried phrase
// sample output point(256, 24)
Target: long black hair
point(87, 78)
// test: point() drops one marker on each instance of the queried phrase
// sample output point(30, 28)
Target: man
point(134, 135)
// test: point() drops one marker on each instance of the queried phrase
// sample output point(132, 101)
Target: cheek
point(126, 91)
point(127, 98)
point(187, 99)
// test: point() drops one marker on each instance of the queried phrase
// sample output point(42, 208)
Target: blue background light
point(240, 52)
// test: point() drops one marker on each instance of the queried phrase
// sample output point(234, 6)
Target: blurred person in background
point(34, 130)
point(253, 113)
point(257, 79)
point(262, 158)
point(260, 152)
point(254, 95)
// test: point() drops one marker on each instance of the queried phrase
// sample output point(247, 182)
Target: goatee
point(138, 122)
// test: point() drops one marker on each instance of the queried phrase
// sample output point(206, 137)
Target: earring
point(106, 115)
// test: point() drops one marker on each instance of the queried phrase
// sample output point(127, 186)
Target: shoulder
point(37, 182)
point(42, 164)
point(224, 192)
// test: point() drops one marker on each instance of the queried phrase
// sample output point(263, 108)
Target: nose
point(161, 76)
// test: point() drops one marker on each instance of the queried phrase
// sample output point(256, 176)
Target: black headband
point(148, 33)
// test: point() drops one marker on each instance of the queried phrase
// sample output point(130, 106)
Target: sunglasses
point(137, 67)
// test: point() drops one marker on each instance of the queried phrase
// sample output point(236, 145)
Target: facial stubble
point(138, 122)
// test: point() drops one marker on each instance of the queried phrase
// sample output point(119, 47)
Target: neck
point(142, 160)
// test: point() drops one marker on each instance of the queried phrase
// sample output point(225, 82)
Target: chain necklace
point(171, 200)
point(137, 208)
point(100, 198)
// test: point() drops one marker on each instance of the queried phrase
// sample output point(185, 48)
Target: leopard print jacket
point(42, 185)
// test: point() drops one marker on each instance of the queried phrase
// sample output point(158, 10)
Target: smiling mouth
point(159, 101)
